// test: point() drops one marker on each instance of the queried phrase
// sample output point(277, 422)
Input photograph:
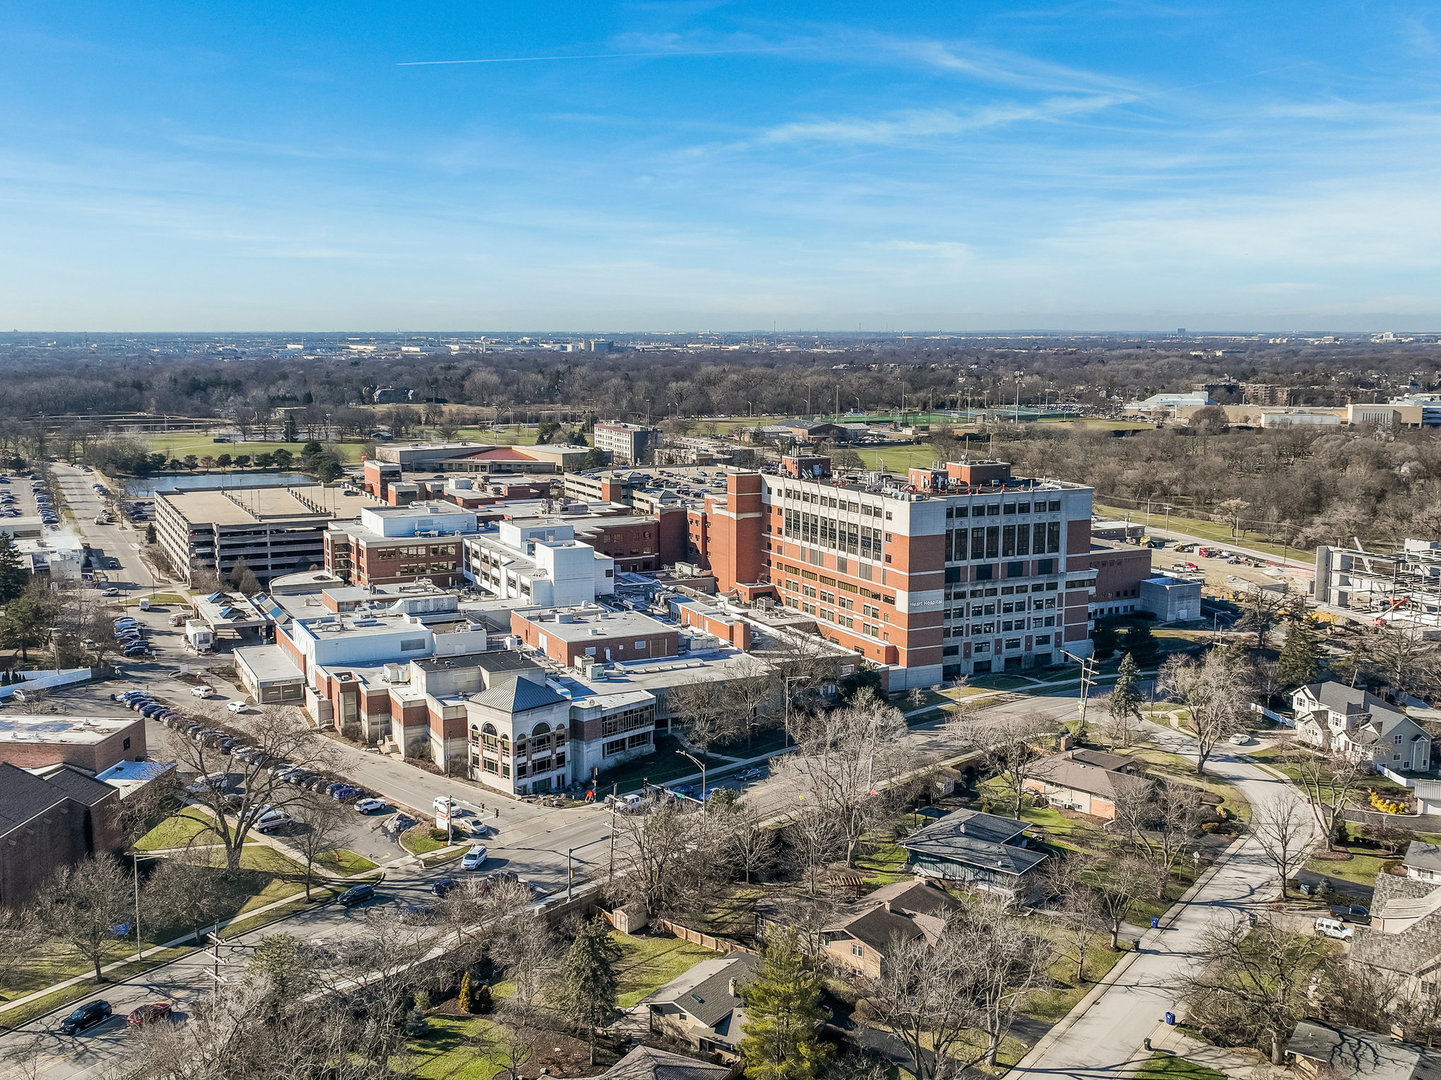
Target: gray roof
point(1423, 856)
point(1077, 775)
point(23, 796)
point(1354, 1052)
point(74, 784)
point(1348, 700)
point(976, 839)
point(513, 694)
point(704, 991)
point(648, 1063)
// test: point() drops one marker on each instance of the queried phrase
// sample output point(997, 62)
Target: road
point(121, 541)
point(1107, 1039)
point(37, 1051)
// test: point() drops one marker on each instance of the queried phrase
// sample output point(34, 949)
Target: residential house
point(1333, 716)
point(1086, 781)
point(983, 851)
point(1339, 1053)
point(702, 1007)
point(1423, 862)
point(860, 939)
point(648, 1063)
point(1403, 942)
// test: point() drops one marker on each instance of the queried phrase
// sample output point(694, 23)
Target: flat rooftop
point(583, 624)
point(317, 503)
point(62, 729)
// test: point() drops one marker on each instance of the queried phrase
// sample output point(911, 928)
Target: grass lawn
point(1175, 768)
point(417, 840)
point(178, 831)
point(733, 916)
point(345, 863)
point(179, 444)
point(1072, 832)
point(448, 1050)
point(1209, 530)
point(648, 963)
point(1360, 869)
point(1163, 1066)
point(1054, 1002)
point(883, 865)
point(158, 598)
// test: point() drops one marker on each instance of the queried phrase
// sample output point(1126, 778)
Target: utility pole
point(1088, 674)
point(699, 764)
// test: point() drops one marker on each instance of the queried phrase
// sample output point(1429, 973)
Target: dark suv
point(88, 1015)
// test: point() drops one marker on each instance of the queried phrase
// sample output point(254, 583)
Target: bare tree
point(321, 822)
point(1216, 690)
point(187, 892)
point(1005, 962)
point(750, 844)
point(22, 932)
point(660, 862)
point(1008, 746)
point(526, 949)
point(275, 736)
point(844, 763)
point(1119, 883)
point(1078, 909)
point(1330, 780)
point(1160, 821)
point(1285, 832)
point(81, 905)
point(814, 841)
point(1250, 983)
point(923, 997)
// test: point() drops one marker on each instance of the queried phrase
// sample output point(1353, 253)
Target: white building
point(540, 561)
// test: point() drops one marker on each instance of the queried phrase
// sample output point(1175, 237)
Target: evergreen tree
point(783, 1016)
point(1141, 644)
point(1300, 659)
point(1125, 701)
point(1105, 639)
point(588, 983)
point(466, 1001)
point(14, 575)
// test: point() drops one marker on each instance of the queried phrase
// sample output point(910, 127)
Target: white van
point(1334, 928)
point(272, 819)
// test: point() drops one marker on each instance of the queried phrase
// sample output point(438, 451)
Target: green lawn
point(178, 831)
point(1207, 530)
point(883, 865)
point(648, 963)
point(451, 1049)
point(345, 863)
point(1360, 869)
point(1175, 768)
point(179, 444)
point(1162, 1066)
point(417, 840)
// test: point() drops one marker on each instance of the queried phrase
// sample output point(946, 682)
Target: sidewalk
point(1233, 1064)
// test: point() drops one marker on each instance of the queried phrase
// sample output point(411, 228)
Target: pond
point(144, 487)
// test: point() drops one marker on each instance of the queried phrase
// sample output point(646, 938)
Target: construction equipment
point(1391, 608)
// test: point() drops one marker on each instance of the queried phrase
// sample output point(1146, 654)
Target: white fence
point(47, 680)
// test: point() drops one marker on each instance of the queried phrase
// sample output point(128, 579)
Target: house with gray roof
point(702, 1007)
point(982, 851)
point(861, 936)
point(1336, 1051)
point(648, 1063)
point(1423, 862)
point(1086, 781)
point(1332, 716)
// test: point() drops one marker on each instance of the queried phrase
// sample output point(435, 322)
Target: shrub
point(481, 1000)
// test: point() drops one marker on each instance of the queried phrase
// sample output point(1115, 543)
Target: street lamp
point(699, 764)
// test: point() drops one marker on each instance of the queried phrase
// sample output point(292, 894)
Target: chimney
point(731, 988)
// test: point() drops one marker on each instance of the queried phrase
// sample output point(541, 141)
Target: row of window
point(1003, 541)
point(817, 530)
point(620, 746)
point(1039, 506)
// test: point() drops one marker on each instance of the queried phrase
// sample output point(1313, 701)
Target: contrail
point(599, 56)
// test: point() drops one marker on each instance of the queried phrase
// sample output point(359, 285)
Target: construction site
point(1401, 589)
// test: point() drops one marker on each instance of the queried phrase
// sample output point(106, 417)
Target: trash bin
point(1170, 1018)
point(1155, 922)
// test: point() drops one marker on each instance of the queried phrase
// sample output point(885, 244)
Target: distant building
point(626, 443)
point(49, 821)
point(92, 743)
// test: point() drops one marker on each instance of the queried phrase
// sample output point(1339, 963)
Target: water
point(144, 488)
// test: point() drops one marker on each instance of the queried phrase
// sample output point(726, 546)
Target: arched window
point(540, 738)
point(505, 746)
point(560, 737)
point(487, 736)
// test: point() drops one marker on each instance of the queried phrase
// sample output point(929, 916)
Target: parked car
point(474, 858)
point(272, 820)
point(149, 1013)
point(1350, 913)
point(371, 806)
point(88, 1015)
point(357, 894)
point(441, 886)
point(1240, 738)
point(235, 706)
point(203, 691)
point(1334, 928)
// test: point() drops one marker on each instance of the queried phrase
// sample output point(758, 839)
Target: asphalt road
point(1107, 1040)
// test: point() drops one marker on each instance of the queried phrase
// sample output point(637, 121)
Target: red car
point(148, 1014)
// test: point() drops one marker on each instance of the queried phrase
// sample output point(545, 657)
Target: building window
point(857, 949)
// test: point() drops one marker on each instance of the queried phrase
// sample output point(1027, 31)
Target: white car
point(1239, 739)
point(371, 806)
point(474, 858)
point(236, 706)
point(204, 691)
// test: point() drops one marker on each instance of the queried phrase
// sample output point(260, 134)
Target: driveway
point(1103, 1034)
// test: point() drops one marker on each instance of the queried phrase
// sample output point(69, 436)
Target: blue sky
point(698, 164)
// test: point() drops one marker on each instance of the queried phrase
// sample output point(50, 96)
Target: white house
point(1333, 716)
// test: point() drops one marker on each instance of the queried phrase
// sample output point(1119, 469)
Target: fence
point(47, 680)
point(1285, 721)
point(705, 941)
